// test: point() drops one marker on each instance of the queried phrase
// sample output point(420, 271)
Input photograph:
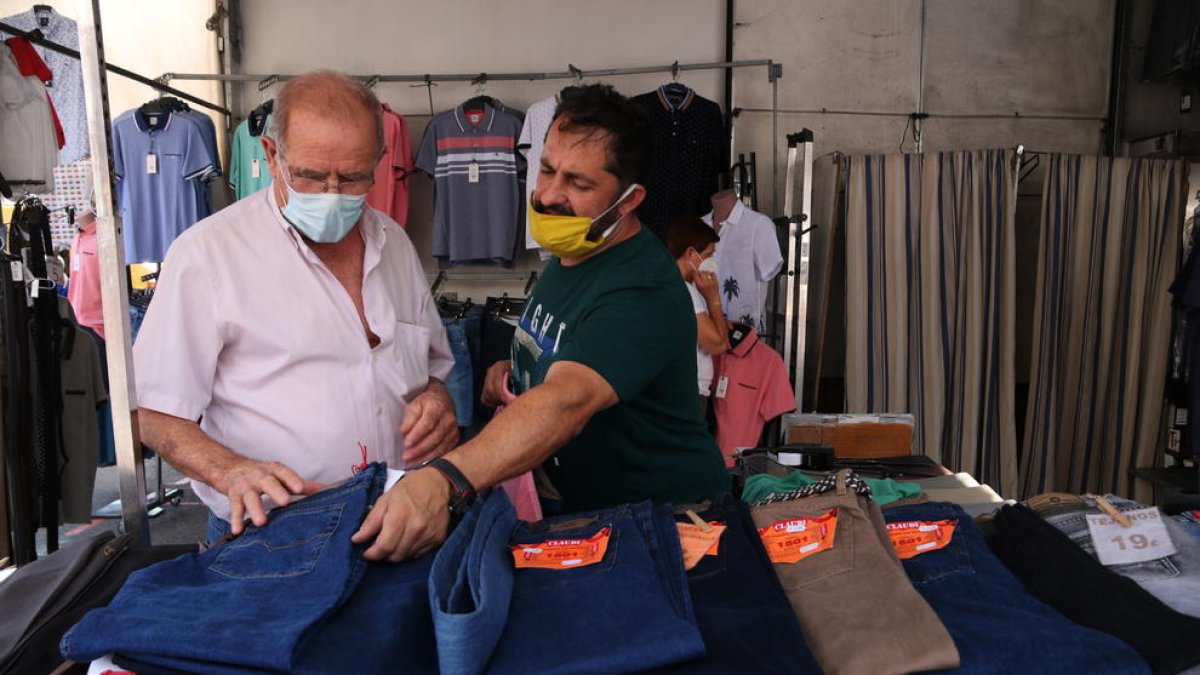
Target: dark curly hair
point(597, 109)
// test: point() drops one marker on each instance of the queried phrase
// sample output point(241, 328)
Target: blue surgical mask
point(323, 217)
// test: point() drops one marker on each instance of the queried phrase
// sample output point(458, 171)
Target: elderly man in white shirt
point(292, 336)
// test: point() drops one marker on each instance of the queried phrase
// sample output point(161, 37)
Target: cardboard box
point(854, 435)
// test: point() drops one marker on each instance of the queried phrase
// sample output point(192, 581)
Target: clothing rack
point(774, 72)
point(37, 39)
point(444, 276)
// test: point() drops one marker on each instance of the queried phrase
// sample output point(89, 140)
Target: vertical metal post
point(774, 73)
point(796, 294)
point(917, 121)
point(114, 289)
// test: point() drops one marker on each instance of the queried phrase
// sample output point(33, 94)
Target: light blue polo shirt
point(162, 197)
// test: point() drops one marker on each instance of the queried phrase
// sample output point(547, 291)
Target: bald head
point(328, 95)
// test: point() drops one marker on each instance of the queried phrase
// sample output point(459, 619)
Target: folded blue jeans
point(471, 586)
point(251, 602)
point(629, 611)
point(745, 618)
point(997, 625)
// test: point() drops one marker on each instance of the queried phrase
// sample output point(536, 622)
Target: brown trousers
point(858, 610)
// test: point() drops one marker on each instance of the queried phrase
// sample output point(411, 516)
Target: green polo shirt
point(625, 314)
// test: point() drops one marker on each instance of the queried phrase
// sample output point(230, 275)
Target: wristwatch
point(463, 492)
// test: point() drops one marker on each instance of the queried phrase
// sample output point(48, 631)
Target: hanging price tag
point(151, 163)
point(697, 543)
point(18, 272)
point(795, 539)
point(1145, 539)
point(722, 387)
point(912, 538)
point(473, 172)
point(255, 171)
point(561, 554)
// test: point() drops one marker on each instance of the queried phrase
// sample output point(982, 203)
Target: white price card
point(1146, 539)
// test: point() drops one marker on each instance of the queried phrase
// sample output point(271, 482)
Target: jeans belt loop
point(841, 481)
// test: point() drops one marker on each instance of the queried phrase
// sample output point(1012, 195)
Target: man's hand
point(706, 283)
point(248, 480)
point(430, 428)
point(409, 520)
point(495, 383)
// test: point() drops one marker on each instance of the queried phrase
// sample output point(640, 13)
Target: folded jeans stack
point(746, 621)
point(1174, 579)
point(988, 611)
point(575, 583)
point(836, 563)
point(1067, 578)
point(210, 611)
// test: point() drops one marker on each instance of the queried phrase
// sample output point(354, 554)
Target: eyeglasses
point(310, 186)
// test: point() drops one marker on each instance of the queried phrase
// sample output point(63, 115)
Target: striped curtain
point(930, 295)
point(1108, 252)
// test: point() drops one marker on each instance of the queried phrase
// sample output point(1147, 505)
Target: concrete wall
point(1151, 108)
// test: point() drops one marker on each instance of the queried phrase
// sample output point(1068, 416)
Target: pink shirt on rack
point(83, 290)
point(390, 191)
point(757, 390)
point(249, 330)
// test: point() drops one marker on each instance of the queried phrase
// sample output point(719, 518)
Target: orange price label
point(913, 537)
point(795, 539)
point(697, 543)
point(562, 554)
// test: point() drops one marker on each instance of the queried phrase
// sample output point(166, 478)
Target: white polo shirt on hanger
point(748, 258)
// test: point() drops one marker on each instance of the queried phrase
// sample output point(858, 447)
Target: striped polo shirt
point(472, 157)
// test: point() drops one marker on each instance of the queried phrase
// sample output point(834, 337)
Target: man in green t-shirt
point(603, 359)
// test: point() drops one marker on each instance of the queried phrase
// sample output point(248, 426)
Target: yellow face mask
point(567, 236)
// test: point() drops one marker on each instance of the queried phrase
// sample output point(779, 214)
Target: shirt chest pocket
point(404, 365)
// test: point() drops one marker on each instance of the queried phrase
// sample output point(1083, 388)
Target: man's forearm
point(182, 443)
point(525, 434)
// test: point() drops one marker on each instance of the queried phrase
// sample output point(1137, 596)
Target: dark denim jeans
point(747, 623)
point(461, 380)
point(471, 586)
point(997, 625)
point(629, 612)
point(251, 602)
point(1174, 579)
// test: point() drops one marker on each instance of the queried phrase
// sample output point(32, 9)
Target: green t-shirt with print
point(625, 314)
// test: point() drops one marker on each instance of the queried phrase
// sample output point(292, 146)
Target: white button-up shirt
point(748, 258)
point(250, 331)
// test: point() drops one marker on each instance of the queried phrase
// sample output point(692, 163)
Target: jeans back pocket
point(289, 546)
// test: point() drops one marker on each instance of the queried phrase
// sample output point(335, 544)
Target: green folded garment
point(883, 490)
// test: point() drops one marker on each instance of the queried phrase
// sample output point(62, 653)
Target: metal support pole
point(114, 289)
point(775, 71)
point(799, 224)
point(918, 121)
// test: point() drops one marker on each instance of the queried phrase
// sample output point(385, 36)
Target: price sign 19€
point(1146, 539)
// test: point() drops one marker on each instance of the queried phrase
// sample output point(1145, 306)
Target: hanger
point(738, 332)
point(675, 91)
point(257, 119)
point(480, 99)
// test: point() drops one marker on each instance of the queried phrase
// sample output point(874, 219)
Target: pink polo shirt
point(757, 391)
point(83, 291)
point(249, 330)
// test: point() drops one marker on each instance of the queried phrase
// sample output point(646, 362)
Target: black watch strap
point(464, 492)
